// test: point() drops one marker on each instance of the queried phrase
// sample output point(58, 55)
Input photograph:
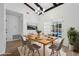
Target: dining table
point(41, 39)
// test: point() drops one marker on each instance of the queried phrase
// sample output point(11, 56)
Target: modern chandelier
point(38, 11)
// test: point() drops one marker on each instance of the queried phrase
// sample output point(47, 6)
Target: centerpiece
point(38, 32)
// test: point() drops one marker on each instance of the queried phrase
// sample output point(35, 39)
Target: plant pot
point(71, 47)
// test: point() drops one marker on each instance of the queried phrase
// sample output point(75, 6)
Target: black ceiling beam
point(38, 6)
point(29, 7)
point(60, 4)
point(54, 4)
point(53, 7)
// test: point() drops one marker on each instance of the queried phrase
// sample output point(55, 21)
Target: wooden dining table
point(41, 39)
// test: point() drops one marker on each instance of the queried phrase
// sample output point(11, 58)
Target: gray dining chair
point(20, 37)
point(34, 48)
point(56, 48)
point(31, 47)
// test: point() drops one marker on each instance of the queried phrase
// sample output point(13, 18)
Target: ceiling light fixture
point(38, 11)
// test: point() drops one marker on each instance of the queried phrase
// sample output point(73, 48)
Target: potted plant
point(72, 35)
point(38, 31)
point(76, 45)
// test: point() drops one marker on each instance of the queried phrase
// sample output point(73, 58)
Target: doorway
point(14, 24)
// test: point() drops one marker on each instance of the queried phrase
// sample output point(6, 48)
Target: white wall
point(69, 13)
point(23, 9)
point(19, 8)
point(2, 29)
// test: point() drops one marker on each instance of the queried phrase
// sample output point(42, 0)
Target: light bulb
point(38, 8)
point(43, 9)
point(36, 11)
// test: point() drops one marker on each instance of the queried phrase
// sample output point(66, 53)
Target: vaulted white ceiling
point(45, 6)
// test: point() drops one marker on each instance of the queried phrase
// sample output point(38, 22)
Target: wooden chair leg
point(59, 53)
point(52, 52)
point(28, 53)
point(38, 52)
point(24, 49)
point(33, 53)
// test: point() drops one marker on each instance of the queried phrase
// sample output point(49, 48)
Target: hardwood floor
point(11, 48)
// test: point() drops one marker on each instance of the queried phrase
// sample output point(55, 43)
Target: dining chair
point(20, 37)
point(35, 48)
point(56, 48)
point(24, 43)
point(31, 47)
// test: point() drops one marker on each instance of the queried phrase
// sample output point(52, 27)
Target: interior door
point(12, 26)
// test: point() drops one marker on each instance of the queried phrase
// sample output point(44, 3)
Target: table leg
point(43, 50)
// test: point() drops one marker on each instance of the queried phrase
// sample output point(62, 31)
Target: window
point(57, 29)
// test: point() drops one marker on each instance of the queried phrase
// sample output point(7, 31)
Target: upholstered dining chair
point(56, 48)
point(20, 37)
point(26, 43)
point(31, 47)
point(35, 47)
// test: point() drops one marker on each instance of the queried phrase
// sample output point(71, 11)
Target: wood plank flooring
point(12, 50)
